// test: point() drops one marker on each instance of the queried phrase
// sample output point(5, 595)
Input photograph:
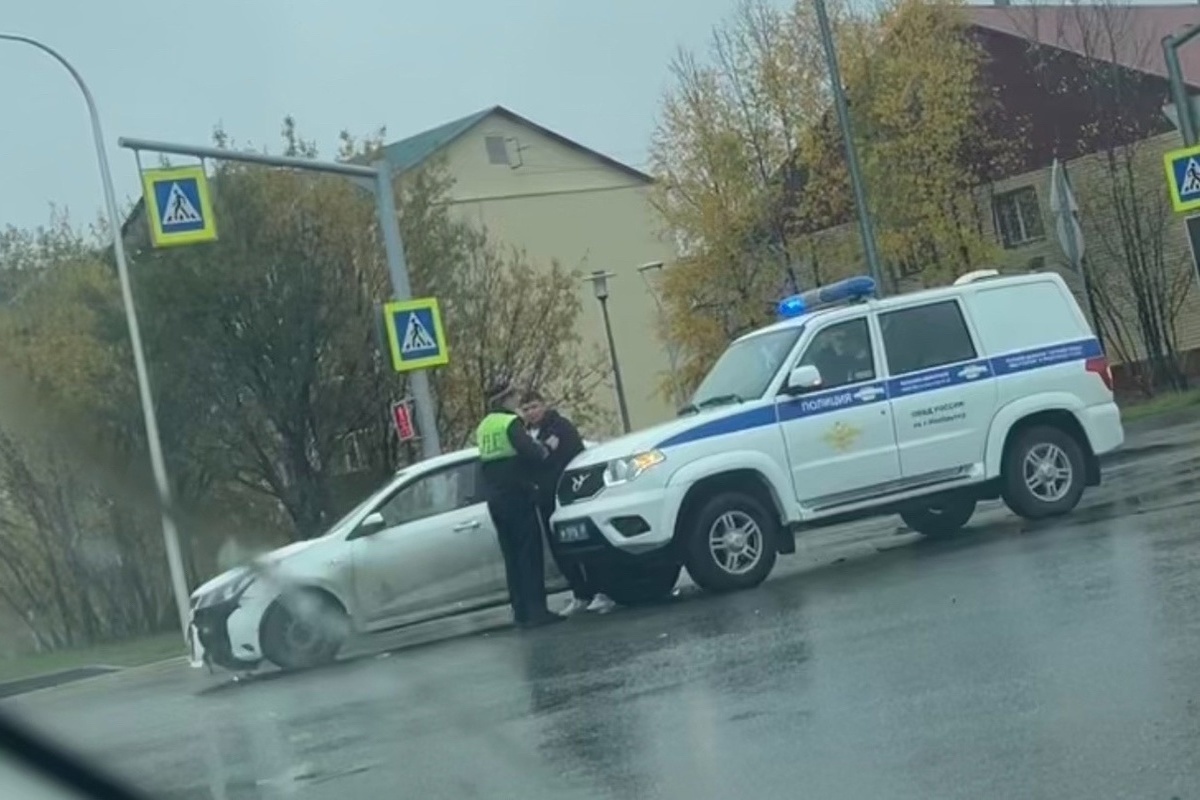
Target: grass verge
point(117, 654)
point(1162, 404)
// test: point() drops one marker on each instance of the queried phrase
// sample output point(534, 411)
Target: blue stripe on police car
point(818, 403)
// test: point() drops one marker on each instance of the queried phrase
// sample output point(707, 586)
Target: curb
point(109, 672)
point(1163, 421)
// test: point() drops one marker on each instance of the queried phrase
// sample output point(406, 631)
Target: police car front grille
point(580, 484)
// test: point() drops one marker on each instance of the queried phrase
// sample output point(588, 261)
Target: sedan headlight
point(625, 469)
point(239, 581)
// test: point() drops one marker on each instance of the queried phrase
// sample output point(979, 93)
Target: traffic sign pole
point(1178, 87)
point(389, 223)
point(1186, 111)
point(1070, 235)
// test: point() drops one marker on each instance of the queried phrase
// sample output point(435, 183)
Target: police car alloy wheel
point(732, 543)
point(939, 517)
point(1044, 473)
point(303, 630)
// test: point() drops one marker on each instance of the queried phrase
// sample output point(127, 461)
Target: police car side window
point(924, 337)
point(436, 493)
point(842, 354)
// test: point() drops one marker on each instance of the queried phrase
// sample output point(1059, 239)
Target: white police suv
point(851, 406)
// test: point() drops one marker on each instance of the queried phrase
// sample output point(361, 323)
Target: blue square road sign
point(1183, 178)
point(415, 334)
point(178, 206)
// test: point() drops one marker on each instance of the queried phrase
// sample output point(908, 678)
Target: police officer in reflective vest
point(510, 460)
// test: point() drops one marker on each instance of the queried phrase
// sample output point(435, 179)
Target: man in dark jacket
point(509, 462)
point(560, 436)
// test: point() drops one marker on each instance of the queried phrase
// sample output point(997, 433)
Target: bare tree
point(77, 564)
point(1140, 278)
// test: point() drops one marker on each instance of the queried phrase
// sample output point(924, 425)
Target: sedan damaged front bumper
point(208, 636)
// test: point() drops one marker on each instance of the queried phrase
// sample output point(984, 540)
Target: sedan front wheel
point(304, 630)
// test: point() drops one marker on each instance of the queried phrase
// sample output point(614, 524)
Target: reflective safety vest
point(492, 437)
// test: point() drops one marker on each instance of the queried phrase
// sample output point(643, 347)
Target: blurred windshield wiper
point(719, 400)
point(708, 402)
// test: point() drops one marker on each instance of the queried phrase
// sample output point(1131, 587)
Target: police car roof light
point(845, 291)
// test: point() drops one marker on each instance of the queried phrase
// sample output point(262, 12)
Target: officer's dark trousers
point(519, 529)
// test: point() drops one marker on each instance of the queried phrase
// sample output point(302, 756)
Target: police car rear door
point(941, 388)
point(841, 444)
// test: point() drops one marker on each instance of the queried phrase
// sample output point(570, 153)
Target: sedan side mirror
point(370, 524)
point(804, 378)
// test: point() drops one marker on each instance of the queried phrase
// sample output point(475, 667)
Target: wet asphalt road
point(1051, 661)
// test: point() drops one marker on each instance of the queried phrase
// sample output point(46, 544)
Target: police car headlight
point(626, 469)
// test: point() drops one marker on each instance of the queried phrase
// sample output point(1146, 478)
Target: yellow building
point(558, 200)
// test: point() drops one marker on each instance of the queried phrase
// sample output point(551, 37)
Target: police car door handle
point(466, 526)
point(868, 393)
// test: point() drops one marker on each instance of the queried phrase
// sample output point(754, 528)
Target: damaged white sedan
point(420, 548)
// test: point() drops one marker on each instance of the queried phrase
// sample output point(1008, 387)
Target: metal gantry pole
point(866, 228)
point(1187, 118)
point(1179, 92)
point(379, 181)
point(146, 396)
point(389, 222)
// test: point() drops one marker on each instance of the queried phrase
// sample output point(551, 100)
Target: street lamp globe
point(599, 281)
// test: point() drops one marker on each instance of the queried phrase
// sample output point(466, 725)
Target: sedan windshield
point(746, 368)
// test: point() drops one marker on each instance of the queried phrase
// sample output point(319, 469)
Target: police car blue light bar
point(844, 291)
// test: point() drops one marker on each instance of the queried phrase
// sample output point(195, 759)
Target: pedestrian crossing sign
point(1183, 178)
point(415, 335)
point(178, 206)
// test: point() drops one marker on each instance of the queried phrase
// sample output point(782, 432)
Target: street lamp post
point(157, 462)
point(866, 229)
point(599, 279)
point(672, 354)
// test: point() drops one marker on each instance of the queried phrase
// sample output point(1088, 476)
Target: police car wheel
point(1044, 473)
point(642, 585)
point(732, 544)
point(303, 631)
point(940, 517)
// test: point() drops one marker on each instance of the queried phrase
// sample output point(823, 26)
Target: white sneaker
point(601, 604)
point(574, 607)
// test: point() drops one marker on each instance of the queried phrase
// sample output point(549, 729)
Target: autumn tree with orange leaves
point(752, 177)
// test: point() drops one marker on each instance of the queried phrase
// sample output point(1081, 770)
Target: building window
point(1018, 217)
point(497, 150)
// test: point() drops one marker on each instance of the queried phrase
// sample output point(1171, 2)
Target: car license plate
point(572, 532)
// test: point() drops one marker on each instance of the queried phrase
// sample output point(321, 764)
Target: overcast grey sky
point(593, 71)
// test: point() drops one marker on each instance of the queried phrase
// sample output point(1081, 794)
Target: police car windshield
point(746, 367)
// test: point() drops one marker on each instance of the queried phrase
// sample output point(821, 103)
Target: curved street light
point(157, 463)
